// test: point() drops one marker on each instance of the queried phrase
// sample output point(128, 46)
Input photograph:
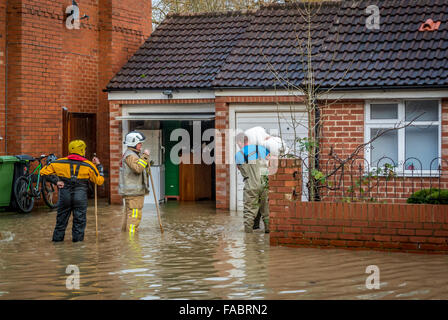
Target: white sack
point(256, 135)
point(276, 146)
point(259, 136)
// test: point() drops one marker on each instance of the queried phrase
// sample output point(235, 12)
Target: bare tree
point(315, 98)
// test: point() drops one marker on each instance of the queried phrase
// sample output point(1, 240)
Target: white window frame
point(386, 123)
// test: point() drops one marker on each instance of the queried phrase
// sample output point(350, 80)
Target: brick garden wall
point(391, 227)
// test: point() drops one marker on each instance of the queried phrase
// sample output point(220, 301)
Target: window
point(415, 147)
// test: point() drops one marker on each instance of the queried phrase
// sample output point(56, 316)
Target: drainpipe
point(6, 78)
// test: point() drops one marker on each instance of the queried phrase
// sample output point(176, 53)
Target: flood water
point(203, 254)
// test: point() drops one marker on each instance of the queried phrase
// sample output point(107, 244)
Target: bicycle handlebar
point(42, 156)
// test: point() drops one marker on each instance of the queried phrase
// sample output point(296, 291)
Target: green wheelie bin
point(6, 179)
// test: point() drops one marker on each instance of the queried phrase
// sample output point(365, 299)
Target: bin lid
point(24, 157)
point(7, 159)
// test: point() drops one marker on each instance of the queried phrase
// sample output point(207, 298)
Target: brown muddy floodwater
point(203, 254)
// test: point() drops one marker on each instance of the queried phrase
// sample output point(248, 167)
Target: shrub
point(431, 196)
point(438, 197)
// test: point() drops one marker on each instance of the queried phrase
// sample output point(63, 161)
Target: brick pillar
point(115, 141)
point(285, 188)
point(445, 132)
point(222, 167)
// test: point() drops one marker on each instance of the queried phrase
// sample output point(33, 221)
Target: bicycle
point(32, 185)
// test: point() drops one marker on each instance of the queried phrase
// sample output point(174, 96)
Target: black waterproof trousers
point(72, 198)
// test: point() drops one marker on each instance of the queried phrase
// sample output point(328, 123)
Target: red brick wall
point(343, 129)
point(124, 26)
point(116, 143)
point(395, 227)
point(221, 123)
point(51, 66)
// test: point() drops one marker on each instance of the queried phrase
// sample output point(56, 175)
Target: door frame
point(66, 117)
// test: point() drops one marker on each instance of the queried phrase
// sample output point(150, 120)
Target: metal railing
point(385, 181)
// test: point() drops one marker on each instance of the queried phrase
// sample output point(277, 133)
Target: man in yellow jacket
point(134, 180)
point(73, 174)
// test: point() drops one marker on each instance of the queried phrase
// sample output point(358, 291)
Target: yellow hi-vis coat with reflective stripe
point(61, 168)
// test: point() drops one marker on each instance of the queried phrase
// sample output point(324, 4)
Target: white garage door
point(269, 121)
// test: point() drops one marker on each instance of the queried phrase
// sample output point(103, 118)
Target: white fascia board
point(159, 95)
point(168, 108)
point(336, 95)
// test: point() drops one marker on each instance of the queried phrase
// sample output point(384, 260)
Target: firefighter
point(134, 180)
point(73, 174)
point(253, 165)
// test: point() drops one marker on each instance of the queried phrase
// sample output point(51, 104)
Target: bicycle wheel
point(50, 193)
point(22, 192)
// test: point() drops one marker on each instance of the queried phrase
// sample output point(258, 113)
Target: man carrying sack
point(134, 180)
point(251, 162)
point(73, 174)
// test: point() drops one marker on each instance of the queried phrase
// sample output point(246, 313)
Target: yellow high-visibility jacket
point(76, 165)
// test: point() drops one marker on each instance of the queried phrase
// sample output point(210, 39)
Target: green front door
point(171, 169)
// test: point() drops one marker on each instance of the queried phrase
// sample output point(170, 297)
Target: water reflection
point(203, 254)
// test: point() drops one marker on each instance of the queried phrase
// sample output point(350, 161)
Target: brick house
point(214, 68)
point(52, 77)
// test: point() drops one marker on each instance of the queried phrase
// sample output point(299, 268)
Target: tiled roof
point(185, 51)
point(270, 45)
point(395, 55)
point(240, 50)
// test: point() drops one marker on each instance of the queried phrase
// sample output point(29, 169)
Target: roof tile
point(240, 49)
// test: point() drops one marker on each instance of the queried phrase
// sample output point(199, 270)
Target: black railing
point(386, 180)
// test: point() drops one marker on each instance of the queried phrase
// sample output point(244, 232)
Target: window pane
point(422, 143)
point(425, 110)
point(385, 146)
point(383, 111)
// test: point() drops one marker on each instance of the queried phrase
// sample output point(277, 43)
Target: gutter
point(156, 89)
point(435, 87)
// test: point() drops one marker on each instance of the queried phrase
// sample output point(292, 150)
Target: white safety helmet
point(133, 138)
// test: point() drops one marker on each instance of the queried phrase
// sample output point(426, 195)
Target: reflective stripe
point(142, 163)
point(134, 213)
point(131, 229)
point(81, 163)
